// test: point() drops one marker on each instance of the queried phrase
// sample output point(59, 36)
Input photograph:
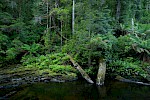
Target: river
point(81, 90)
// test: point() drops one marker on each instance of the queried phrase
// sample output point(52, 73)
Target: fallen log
point(79, 68)
point(119, 78)
point(101, 72)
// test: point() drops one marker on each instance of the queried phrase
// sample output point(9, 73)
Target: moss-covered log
point(79, 68)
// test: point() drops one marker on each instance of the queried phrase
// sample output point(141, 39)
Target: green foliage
point(128, 67)
point(92, 18)
point(33, 30)
point(31, 49)
point(140, 45)
point(61, 68)
point(45, 61)
point(55, 62)
point(11, 53)
point(99, 46)
point(127, 62)
point(91, 70)
point(3, 40)
point(143, 27)
point(120, 53)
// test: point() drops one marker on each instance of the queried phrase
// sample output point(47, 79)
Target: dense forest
point(40, 34)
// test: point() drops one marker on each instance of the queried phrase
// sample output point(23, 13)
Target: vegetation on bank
point(38, 34)
point(57, 64)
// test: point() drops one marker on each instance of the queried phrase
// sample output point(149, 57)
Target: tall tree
point(73, 16)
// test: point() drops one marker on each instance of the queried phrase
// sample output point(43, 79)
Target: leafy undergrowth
point(129, 68)
point(52, 64)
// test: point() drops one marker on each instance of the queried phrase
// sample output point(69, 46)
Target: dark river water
point(81, 90)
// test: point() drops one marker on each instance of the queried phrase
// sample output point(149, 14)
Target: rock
point(1, 87)
point(18, 79)
point(45, 73)
point(45, 79)
point(56, 80)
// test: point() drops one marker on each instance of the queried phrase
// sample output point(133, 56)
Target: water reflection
point(80, 90)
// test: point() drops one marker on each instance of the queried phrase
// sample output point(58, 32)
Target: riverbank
point(18, 75)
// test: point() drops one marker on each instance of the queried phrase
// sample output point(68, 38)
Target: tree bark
point(101, 72)
point(79, 68)
point(132, 21)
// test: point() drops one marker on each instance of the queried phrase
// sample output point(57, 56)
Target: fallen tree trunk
point(119, 78)
point(101, 72)
point(79, 68)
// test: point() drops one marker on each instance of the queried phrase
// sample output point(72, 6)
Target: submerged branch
point(119, 78)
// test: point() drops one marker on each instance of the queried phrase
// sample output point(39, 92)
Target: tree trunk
point(73, 8)
point(79, 68)
point(118, 10)
point(61, 36)
point(101, 72)
point(132, 22)
point(47, 14)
